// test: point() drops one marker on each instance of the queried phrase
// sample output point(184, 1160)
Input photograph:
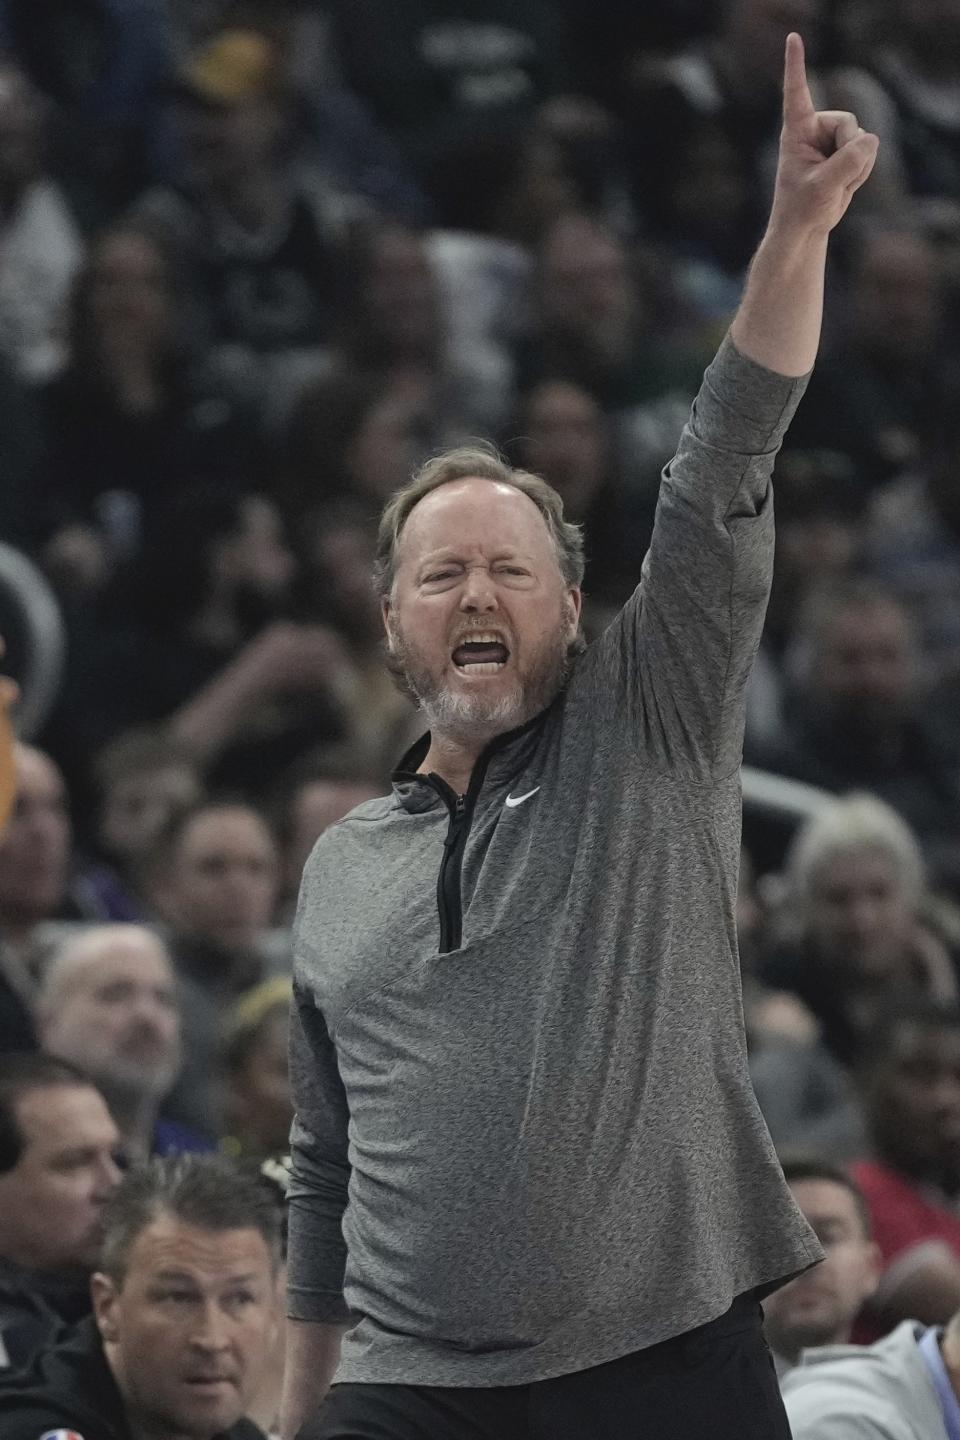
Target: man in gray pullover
point(529, 1173)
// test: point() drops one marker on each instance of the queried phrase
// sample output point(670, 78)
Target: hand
point(287, 658)
point(824, 155)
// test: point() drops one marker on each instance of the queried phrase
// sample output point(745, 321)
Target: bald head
point(108, 1004)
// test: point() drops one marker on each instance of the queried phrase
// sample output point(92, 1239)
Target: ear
point(873, 1269)
point(386, 610)
point(106, 1302)
point(575, 607)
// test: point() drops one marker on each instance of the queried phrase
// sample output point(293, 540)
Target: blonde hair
point(850, 824)
point(480, 461)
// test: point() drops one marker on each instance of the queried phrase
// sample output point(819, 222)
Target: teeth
point(482, 667)
point(482, 637)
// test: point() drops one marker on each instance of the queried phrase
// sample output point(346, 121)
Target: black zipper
point(461, 808)
point(449, 897)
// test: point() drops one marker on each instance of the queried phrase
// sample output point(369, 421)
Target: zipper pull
point(461, 807)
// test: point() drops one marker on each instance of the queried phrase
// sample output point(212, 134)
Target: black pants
point(713, 1383)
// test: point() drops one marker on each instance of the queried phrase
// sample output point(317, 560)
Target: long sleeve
point(320, 1170)
point(681, 650)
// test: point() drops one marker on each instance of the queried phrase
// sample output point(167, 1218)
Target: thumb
point(852, 163)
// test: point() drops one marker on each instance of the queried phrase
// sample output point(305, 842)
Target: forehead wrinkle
point(435, 509)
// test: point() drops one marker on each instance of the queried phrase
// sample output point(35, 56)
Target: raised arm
point(681, 650)
point(824, 159)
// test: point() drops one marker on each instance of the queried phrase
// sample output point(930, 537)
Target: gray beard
point(476, 717)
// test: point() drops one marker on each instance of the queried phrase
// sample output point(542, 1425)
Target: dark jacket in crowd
point(34, 1310)
point(70, 1386)
point(16, 1022)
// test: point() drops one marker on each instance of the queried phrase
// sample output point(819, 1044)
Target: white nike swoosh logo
point(514, 800)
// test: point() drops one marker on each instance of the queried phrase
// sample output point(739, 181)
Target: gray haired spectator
point(853, 936)
point(108, 1002)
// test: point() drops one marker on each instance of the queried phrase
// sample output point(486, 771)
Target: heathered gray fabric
point(544, 1147)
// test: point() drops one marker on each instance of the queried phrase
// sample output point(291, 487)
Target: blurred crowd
point(258, 259)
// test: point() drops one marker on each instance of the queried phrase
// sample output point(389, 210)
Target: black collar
point(500, 760)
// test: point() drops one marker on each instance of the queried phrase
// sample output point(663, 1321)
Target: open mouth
point(483, 654)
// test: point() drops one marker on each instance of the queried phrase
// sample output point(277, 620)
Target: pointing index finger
point(797, 101)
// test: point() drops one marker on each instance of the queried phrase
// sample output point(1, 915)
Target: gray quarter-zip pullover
point(526, 1141)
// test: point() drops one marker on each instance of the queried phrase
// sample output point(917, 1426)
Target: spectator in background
point(314, 800)
point(566, 438)
point(871, 394)
point(102, 64)
point(137, 416)
point(215, 888)
point(140, 781)
point(108, 1003)
point(909, 1079)
point(452, 72)
point(854, 715)
point(821, 1305)
point(337, 549)
point(397, 324)
point(185, 1310)
point(913, 539)
point(260, 232)
point(57, 1171)
point(852, 940)
point(257, 1108)
point(40, 248)
point(34, 882)
point(820, 517)
point(902, 1388)
point(722, 89)
point(915, 53)
point(596, 324)
point(355, 435)
point(208, 650)
point(699, 205)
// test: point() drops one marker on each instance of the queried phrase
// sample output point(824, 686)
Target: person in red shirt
point(910, 1088)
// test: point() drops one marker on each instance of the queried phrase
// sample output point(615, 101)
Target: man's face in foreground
point(480, 618)
point(187, 1331)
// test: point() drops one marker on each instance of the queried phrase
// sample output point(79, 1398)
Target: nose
point(212, 1332)
point(479, 591)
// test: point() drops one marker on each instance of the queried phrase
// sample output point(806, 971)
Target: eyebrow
point(450, 556)
point(183, 1277)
